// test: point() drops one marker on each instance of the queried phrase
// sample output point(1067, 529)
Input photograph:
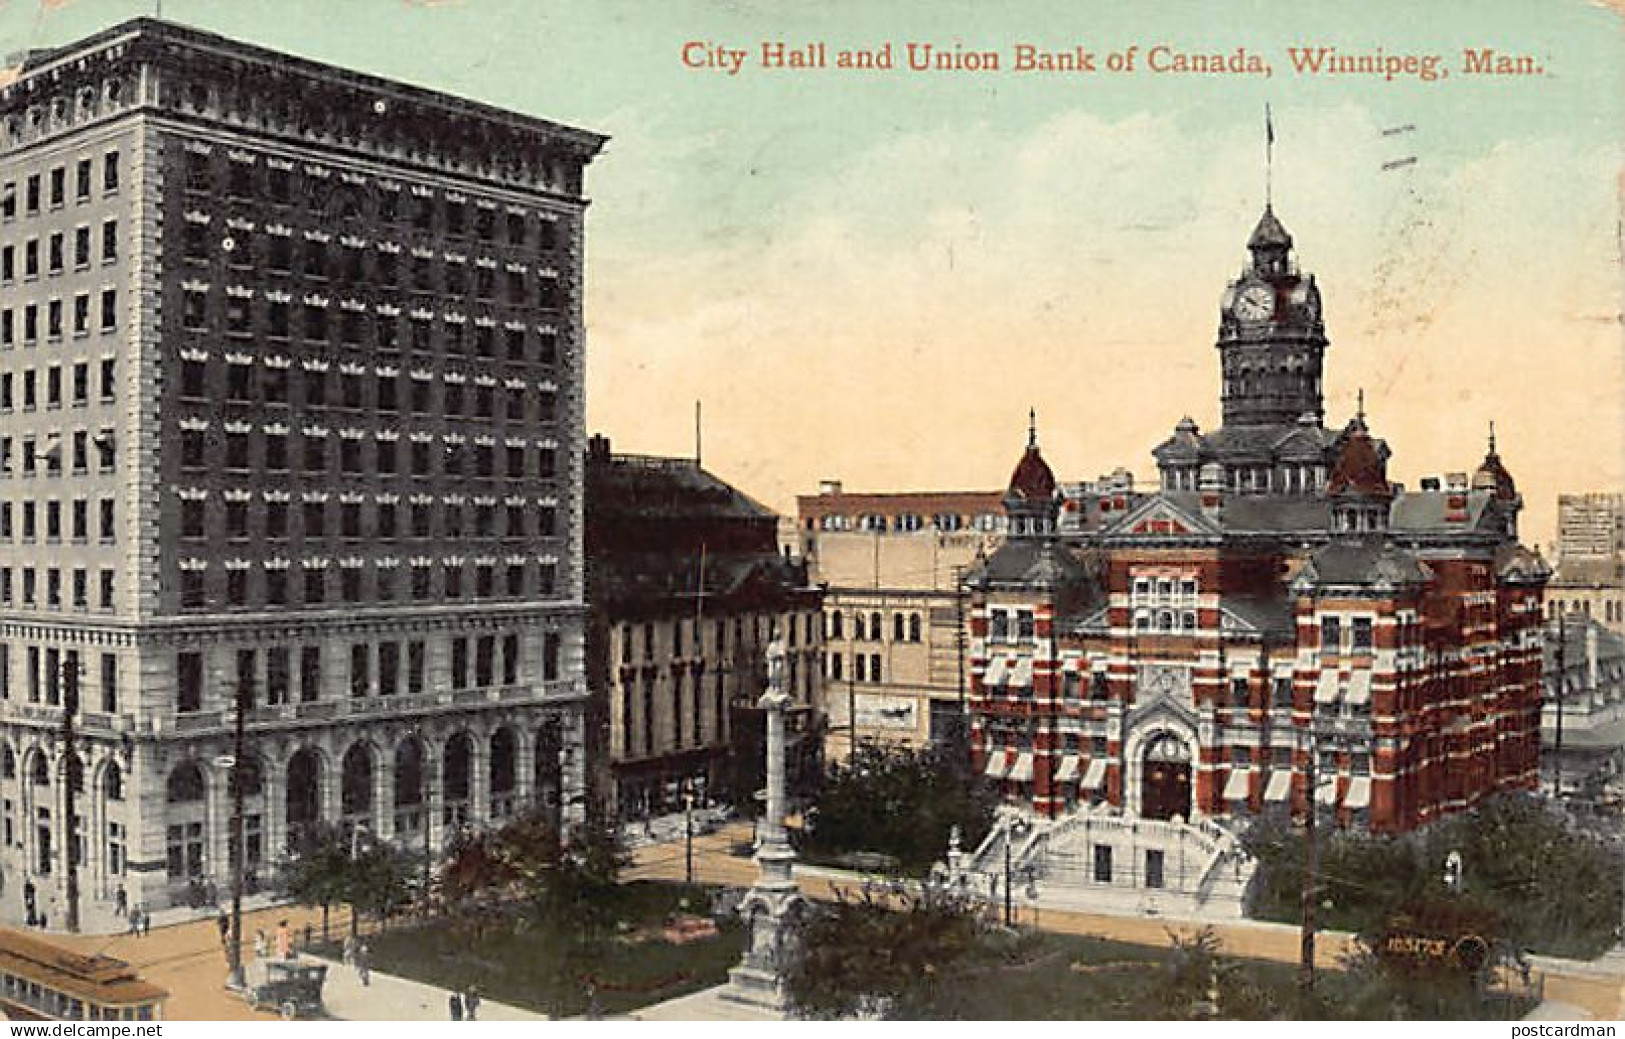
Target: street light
point(688, 835)
point(1017, 828)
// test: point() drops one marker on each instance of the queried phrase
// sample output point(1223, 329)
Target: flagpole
point(1269, 156)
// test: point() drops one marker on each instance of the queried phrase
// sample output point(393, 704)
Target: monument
point(773, 899)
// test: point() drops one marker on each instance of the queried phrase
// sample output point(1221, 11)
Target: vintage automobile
point(289, 987)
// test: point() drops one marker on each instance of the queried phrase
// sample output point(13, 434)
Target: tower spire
point(1032, 427)
point(1492, 436)
point(1359, 411)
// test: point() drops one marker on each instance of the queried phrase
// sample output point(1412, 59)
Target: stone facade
point(328, 441)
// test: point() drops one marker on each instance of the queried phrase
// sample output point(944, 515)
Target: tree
point(901, 803)
point(317, 873)
point(579, 895)
point(378, 880)
point(883, 950)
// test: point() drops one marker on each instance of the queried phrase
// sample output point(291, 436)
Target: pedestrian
point(471, 1002)
point(284, 941)
point(121, 901)
point(309, 937)
point(224, 923)
point(595, 1010)
point(146, 921)
point(454, 1005)
point(349, 950)
point(260, 944)
point(135, 923)
point(363, 964)
point(43, 925)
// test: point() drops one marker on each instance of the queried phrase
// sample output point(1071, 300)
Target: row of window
point(1011, 625)
point(686, 634)
point(245, 449)
point(864, 668)
point(54, 316)
point(77, 516)
point(269, 585)
point(49, 671)
point(353, 264)
point(1332, 640)
point(319, 388)
point(46, 453)
point(905, 627)
point(908, 523)
point(26, 592)
point(268, 676)
point(55, 253)
point(686, 718)
point(57, 390)
point(439, 213)
point(54, 185)
point(384, 520)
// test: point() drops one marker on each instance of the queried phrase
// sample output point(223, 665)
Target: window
point(315, 585)
point(189, 682)
point(110, 171)
point(1103, 863)
point(360, 675)
point(109, 241)
point(310, 673)
point(276, 675)
point(1331, 636)
point(1361, 635)
point(109, 309)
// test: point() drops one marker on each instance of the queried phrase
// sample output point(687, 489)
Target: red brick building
point(1278, 608)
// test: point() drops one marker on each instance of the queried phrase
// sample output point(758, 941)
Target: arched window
point(185, 784)
point(8, 763)
point(113, 782)
point(857, 626)
point(897, 630)
point(914, 627)
point(876, 632)
point(835, 624)
point(41, 771)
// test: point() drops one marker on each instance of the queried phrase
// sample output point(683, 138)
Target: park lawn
point(524, 965)
point(1067, 978)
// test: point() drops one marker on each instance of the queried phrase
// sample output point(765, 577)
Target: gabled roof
point(1433, 512)
point(1359, 471)
point(1363, 562)
point(1163, 516)
point(1041, 563)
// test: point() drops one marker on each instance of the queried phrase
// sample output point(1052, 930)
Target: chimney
point(1210, 484)
point(1456, 483)
point(598, 448)
point(1430, 483)
point(829, 487)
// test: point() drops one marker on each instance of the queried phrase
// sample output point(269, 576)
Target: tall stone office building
point(290, 404)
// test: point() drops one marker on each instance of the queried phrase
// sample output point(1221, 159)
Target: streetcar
point(40, 981)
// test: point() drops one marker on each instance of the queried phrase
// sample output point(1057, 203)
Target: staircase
point(1194, 870)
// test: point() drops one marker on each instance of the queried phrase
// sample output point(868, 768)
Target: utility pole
point(244, 692)
point(1311, 865)
point(963, 722)
point(1562, 681)
point(70, 758)
point(688, 836)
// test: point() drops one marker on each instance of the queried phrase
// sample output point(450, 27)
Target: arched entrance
point(411, 786)
point(456, 776)
point(355, 788)
point(1166, 779)
point(503, 753)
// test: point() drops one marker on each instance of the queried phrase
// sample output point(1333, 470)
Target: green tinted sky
point(872, 275)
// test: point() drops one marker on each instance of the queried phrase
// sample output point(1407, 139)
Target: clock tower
point(1271, 340)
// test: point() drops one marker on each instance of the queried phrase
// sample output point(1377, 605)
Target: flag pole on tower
point(1269, 154)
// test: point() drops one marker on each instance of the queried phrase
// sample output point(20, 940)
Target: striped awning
point(1068, 770)
point(1022, 770)
point(998, 763)
point(1235, 788)
point(1359, 795)
point(1359, 693)
point(1326, 688)
point(1021, 676)
point(1280, 785)
point(996, 670)
point(1095, 775)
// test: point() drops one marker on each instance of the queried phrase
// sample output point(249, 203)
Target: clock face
point(1256, 303)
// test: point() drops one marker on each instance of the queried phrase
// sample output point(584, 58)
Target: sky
point(872, 275)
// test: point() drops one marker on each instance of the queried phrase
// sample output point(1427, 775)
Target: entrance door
point(1166, 789)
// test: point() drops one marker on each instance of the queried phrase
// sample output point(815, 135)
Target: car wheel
point(289, 1011)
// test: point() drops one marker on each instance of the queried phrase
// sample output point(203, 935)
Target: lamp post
point(1017, 828)
point(70, 707)
point(688, 836)
point(244, 693)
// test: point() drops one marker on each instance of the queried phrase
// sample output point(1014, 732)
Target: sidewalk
point(391, 998)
